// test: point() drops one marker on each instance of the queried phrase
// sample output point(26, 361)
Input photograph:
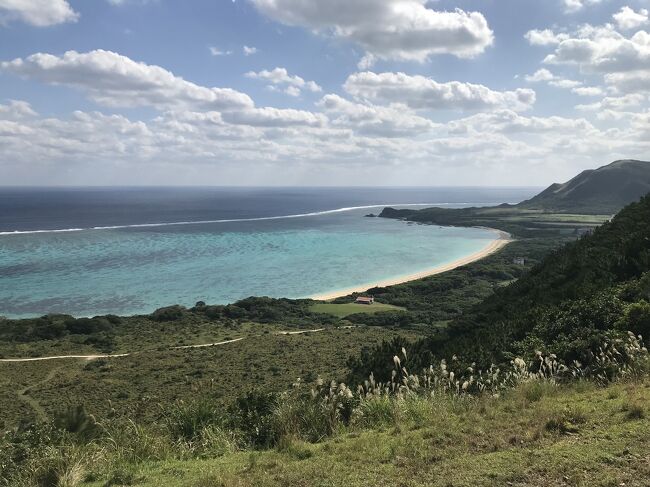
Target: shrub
point(566, 421)
point(170, 313)
point(60, 467)
point(534, 391)
point(187, 420)
point(78, 422)
point(252, 415)
point(376, 411)
point(637, 318)
point(634, 411)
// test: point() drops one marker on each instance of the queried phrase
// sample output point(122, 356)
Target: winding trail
point(216, 344)
point(24, 396)
point(84, 357)
point(182, 347)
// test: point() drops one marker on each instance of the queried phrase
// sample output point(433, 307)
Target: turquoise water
point(136, 270)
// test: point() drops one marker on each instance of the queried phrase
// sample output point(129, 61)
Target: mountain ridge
point(606, 189)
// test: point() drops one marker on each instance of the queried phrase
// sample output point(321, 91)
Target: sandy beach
point(502, 240)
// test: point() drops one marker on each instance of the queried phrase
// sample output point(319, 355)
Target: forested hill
point(595, 285)
point(603, 190)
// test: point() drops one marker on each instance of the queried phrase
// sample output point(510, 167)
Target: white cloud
point(510, 122)
point(292, 91)
point(571, 6)
point(16, 109)
point(188, 146)
point(630, 81)
point(565, 83)
point(616, 103)
point(602, 49)
point(392, 121)
point(114, 80)
point(215, 51)
point(627, 18)
point(274, 117)
point(388, 29)
point(39, 13)
point(421, 93)
point(546, 76)
point(366, 62)
point(280, 76)
point(624, 62)
point(544, 37)
point(540, 75)
point(249, 51)
point(588, 91)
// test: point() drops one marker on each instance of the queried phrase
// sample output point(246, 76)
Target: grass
point(454, 442)
point(347, 309)
point(139, 384)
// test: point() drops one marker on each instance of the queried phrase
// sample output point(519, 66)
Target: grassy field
point(537, 434)
point(141, 384)
point(347, 309)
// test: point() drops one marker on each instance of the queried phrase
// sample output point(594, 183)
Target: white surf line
point(233, 220)
point(203, 345)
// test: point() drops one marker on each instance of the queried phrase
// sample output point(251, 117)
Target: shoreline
point(500, 242)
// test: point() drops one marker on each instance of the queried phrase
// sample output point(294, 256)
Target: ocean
point(90, 251)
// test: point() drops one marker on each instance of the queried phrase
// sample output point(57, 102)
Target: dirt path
point(299, 332)
point(208, 344)
point(183, 347)
point(85, 357)
point(24, 396)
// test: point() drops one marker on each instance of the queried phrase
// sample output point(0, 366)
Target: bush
point(187, 421)
point(170, 313)
point(252, 415)
point(78, 422)
point(61, 467)
point(87, 326)
point(376, 411)
point(637, 318)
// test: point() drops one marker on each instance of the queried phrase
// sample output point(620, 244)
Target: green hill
point(603, 190)
point(578, 294)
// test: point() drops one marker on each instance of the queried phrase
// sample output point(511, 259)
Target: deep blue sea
point(88, 251)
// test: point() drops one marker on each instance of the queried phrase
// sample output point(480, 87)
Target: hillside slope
point(565, 304)
point(603, 190)
point(509, 441)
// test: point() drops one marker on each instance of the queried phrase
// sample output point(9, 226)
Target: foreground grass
point(347, 309)
point(537, 434)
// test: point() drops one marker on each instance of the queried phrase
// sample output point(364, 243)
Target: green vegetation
point(589, 288)
point(523, 223)
point(346, 309)
point(528, 422)
point(495, 373)
point(603, 190)
point(141, 385)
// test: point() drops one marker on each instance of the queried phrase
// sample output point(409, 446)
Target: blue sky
point(298, 92)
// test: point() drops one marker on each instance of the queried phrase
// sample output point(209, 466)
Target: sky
point(319, 93)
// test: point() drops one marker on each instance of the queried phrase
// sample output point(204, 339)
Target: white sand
point(494, 246)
